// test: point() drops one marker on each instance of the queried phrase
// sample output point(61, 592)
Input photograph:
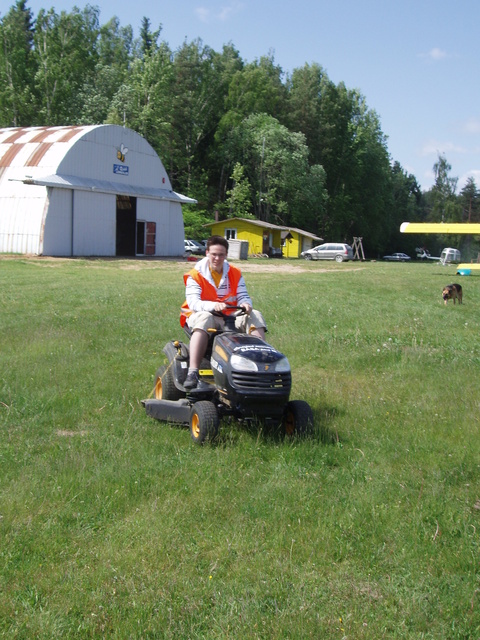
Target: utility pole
point(260, 199)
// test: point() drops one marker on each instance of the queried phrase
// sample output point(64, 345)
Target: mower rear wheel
point(297, 418)
point(204, 421)
point(165, 388)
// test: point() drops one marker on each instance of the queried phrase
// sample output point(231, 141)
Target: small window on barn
point(124, 202)
point(231, 234)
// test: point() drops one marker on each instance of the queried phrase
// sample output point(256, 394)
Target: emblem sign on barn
point(121, 169)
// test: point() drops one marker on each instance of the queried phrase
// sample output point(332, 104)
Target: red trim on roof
point(43, 133)
point(15, 136)
point(68, 135)
point(9, 155)
point(38, 154)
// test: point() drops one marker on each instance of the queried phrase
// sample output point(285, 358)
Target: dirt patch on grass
point(286, 267)
point(135, 264)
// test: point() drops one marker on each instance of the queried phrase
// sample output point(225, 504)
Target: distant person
point(214, 285)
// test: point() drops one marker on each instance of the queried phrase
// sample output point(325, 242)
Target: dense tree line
point(243, 138)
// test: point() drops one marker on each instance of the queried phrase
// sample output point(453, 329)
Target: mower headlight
point(282, 366)
point(239, 363)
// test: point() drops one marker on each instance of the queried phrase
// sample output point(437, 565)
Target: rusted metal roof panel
point(41, 135)
point(38, 154)
point(39, 141)
point(9, 153)
point(13, 137)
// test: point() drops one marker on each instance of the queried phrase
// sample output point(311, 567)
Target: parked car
point(192, 246)
point(397, 257)
point(329, 251)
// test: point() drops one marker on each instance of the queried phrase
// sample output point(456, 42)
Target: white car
point(329, 251)
point(192, 246)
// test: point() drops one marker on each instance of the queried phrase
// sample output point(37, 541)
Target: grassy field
point(114, 525)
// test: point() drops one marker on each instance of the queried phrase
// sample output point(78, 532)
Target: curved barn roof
point(102, 158)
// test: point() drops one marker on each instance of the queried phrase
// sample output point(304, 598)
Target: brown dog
point(452, 292)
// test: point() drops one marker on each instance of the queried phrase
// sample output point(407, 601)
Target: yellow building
point(265, 238)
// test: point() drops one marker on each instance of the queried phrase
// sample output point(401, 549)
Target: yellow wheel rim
point(158, 389)
point(195, 426)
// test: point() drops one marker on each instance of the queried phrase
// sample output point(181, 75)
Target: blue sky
point(416, 62)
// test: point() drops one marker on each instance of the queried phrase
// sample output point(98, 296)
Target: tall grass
point(114, 525)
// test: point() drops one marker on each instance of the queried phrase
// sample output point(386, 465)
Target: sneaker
point(191, 380)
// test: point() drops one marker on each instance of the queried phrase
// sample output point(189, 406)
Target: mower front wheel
point(204, 421)
point(297, 418)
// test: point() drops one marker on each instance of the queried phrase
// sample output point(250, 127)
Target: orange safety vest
point(209, 292)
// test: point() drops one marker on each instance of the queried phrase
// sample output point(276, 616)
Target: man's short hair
point(217, 240)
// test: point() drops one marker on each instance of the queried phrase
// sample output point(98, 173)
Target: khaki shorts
point(204, 320)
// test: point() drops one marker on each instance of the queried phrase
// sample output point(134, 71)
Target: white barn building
point(96, 190)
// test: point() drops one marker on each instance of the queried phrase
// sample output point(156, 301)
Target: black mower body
point(252, 378)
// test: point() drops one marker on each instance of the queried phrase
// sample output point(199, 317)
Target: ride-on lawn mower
point(241, 376)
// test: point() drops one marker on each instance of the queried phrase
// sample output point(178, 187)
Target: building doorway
point(266, 243)
point(126, 226)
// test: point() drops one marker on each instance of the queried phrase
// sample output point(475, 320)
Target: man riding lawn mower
point(228, 368)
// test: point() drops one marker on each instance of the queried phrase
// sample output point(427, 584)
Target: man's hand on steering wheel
point(221, 307)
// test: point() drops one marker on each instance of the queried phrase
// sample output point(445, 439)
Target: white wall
point(57, 225)
point(94, 224)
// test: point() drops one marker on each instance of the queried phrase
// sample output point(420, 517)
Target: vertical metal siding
point(57, 223)
point(18, 231)
point(94, 224)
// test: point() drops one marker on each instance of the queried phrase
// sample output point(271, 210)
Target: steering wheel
point(240, 312)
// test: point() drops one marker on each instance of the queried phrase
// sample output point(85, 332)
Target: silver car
point(329, 251)
point(397, 257)
point(192, 246)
